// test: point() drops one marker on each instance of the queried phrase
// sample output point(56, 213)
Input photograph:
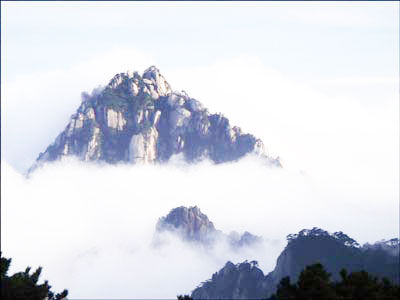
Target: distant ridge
point(334, 251)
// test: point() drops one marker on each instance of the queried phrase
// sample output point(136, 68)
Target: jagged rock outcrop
point(139, 119)
point(192, 225)
point(334, 251)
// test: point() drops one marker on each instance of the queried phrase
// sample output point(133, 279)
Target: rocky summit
point(190, 224)
point(141, 119)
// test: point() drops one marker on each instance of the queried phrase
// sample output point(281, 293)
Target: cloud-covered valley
point(91, 227)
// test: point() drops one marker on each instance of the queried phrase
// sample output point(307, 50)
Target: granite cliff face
point(140, 119)
point(334, 251)
point(190, 224)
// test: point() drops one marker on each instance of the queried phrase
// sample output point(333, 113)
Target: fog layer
point(91, 227)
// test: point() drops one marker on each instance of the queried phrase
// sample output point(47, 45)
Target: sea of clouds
point(92, 226)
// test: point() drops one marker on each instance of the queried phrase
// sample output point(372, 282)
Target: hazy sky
point(317, 82)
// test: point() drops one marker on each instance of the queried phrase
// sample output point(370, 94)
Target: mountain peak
point(139, 119)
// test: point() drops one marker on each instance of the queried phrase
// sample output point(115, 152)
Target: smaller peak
point(118, 79)
point(395, 242)
point(390, 246)
point(151, 72)
point(132, 74)
point(153, 77)
point(194, 208)
point(152, 68)
point(229, 264)
point(254, 263)
point(179, 208)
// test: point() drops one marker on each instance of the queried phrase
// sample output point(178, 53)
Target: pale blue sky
point(327, 39)
point(52, 51)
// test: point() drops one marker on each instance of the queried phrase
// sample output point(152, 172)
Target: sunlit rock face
point(334, 251)
point(141, 119)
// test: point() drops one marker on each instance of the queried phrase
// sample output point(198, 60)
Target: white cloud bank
point(91, 227)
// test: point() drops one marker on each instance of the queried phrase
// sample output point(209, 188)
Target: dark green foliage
point(113, 100)
point(142, 102)
point(314, 283)
point(24, 286)
point(361, 285)
point(285, 290)
point(185, 297)
point(379, 263)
